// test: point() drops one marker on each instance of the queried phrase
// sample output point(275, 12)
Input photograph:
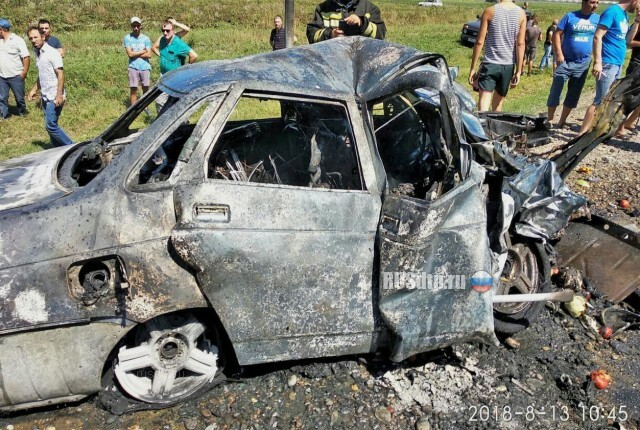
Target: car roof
point(348, 65)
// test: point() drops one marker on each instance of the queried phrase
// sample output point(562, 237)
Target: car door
point(281, 230)
point(433, 233)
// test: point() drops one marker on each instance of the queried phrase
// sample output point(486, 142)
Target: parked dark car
point(469, 32)
point(301, 203)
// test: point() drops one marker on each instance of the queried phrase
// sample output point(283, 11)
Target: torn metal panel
point(443, 238)
point(542, 200)
point(533, 193)
point(531, 130)
point(606, 252)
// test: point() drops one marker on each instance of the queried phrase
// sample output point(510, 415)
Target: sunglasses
point(165, 31)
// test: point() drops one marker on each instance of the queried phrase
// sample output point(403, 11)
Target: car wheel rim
point(175, 360)
point(519, 276)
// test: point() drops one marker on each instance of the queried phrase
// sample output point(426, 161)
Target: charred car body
point(282, 207)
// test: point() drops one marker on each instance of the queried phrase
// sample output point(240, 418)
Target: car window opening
point(287, 142)
point(178, 146)
point(409, 138)
point(84, 163)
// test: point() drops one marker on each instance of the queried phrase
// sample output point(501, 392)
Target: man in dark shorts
point(533, 35)
point(503, 27)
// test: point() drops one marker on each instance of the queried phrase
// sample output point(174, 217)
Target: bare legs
point(485, 100)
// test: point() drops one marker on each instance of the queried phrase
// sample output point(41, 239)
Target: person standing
point(503, 26)
point(51, 84)
point(184, 30)
point(336, 18)
point(532, 37)
point(572, 43)
point(609, 51)
point(173, 52)
point(277, 40)
point(548, 46)
point(527, 12)
point(45, 29)
point(138, 47)
point(633, 42)
point(14, 66)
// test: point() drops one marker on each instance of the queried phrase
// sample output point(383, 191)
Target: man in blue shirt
point(138, 47)
point(572, 42)
point(609, 50)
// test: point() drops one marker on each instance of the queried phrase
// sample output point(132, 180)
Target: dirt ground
point(541, 381)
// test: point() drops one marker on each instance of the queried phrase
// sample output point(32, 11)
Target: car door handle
point(212, 213)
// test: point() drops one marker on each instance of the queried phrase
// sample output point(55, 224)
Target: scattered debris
point(606, 332)
point(511, 342)
point(441, 388)
point(577, 306)
point(570, 277)
point(584, 169)
point(620, 347)
point(522, 386)
point(619, 320)
point(601, 379)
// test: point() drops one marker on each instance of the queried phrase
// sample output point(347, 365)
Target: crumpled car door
point(431, 253)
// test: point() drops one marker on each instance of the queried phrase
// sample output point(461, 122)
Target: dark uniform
point(277, 39)
point(329, 14)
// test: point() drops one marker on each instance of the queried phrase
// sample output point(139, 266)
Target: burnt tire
point(167, 360)
point(527, 270)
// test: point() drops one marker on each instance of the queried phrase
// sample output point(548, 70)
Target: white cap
point(136, 19)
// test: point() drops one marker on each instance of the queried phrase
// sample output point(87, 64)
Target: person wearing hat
point(14, 66)
point(138, 47)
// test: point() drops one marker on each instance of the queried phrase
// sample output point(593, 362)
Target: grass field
point(95, 62)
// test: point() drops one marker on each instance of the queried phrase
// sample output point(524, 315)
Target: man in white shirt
point(51, 84)
point(14, 65)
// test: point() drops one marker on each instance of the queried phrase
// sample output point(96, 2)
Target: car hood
point(31, 178)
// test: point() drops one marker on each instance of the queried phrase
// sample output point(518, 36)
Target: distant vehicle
point(430, 3)
point(469, 32)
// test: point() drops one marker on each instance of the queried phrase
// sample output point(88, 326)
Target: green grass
point(96, 64)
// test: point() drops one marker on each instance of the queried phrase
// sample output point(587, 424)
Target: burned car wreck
point(281, 207)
